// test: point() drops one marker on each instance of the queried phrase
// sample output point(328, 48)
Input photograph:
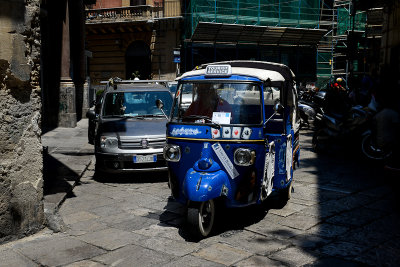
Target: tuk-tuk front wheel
point(201, 218)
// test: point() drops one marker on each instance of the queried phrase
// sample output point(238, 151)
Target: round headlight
point(108, 142)
point(243, 157)
point(172, 153)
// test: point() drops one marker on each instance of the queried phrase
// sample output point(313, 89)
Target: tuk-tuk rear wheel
point(201, 218)
point(286, 194)
point(289, 191)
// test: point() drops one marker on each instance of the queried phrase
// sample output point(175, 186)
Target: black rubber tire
point(202, 218)
point(287, 193)
point(371, 153)
point(318, 146)
point(98, 174)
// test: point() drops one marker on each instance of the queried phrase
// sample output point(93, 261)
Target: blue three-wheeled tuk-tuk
point(232, 137)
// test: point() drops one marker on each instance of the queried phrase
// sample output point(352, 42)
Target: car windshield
point(134, 104)
point(221, 103)
point(172, 87)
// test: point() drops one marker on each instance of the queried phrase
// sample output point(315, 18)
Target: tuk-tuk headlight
point(244, 157)
point(172, 153)
point(108, 142)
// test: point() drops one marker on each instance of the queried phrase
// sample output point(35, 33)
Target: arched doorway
point(138, 61)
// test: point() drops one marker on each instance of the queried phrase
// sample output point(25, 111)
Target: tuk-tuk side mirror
point(278, 108)
point(159, 104)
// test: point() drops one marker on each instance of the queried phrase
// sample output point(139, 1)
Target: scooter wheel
point(201, 218)
point(371, 152)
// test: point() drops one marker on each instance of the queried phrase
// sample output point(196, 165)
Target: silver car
point(130, 129)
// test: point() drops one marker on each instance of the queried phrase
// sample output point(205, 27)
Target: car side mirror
point(278, 108)
point(159, 104)
point(91, 114)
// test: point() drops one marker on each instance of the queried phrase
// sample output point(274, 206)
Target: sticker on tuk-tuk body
point(226, 132)
point(226, 162)
point(215, 133)
point(246, 133)
point(269, 171)
point(185, 131)
point(289, 157)
point(236, 131)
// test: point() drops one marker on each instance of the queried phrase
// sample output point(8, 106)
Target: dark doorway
point(138, 61)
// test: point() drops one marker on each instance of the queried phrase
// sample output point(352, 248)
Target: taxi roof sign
point(218, 70)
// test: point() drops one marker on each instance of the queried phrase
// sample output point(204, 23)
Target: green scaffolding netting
point(345, 22)
point(284, 13)
point(279, 13)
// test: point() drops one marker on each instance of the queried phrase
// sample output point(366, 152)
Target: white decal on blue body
point(226, 162)
point(185, 131)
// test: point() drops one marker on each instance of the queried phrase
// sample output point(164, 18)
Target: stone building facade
point(129, 39)
point(390, 46)
point(21, 164)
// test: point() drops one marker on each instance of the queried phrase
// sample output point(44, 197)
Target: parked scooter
point(306, 109)
point(307, 113)
point(337, 128)
point(379, 140)
point(312, 108)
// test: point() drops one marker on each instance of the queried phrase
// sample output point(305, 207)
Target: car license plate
point(144, 158)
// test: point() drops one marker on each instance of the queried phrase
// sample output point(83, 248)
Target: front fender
point(366, 133)
point(203, 186)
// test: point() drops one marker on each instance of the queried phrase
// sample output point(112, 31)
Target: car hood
point(133, 127)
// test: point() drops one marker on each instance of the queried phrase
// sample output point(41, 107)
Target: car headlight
point(244, 157)
point(172, 153)
point(108, 142)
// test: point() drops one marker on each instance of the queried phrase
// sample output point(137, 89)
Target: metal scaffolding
point(335, 16)
point(282, 13)
point(338, 51)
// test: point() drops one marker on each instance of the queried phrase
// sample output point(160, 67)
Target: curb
point(52, 219)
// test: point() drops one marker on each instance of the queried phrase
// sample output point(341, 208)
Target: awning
point(248, 34)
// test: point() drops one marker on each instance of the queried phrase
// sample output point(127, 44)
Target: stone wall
point(21, 161)
point(390, 45)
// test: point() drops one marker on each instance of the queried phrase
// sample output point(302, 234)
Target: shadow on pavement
point(348, 211)
point(57, 177)
point(357, 207)
point(131, 178)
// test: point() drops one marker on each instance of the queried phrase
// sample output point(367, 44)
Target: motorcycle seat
point(337, 116)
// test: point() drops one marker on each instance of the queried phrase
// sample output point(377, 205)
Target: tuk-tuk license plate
point(144, 158)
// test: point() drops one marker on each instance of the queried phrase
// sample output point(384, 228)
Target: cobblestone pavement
point(342, 212)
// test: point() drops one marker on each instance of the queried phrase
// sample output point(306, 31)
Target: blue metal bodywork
point(201, 175)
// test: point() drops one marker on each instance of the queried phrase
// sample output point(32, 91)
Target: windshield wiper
point(147, 116)
point(114, 116)
point(200, 117)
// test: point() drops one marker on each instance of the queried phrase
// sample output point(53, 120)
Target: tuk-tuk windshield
point(222, 103)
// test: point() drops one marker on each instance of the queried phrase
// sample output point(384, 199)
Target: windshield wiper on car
point(147, 116)
point(200, 117)
point(113, 116)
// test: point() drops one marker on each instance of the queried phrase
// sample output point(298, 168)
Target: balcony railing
point(120, 14)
